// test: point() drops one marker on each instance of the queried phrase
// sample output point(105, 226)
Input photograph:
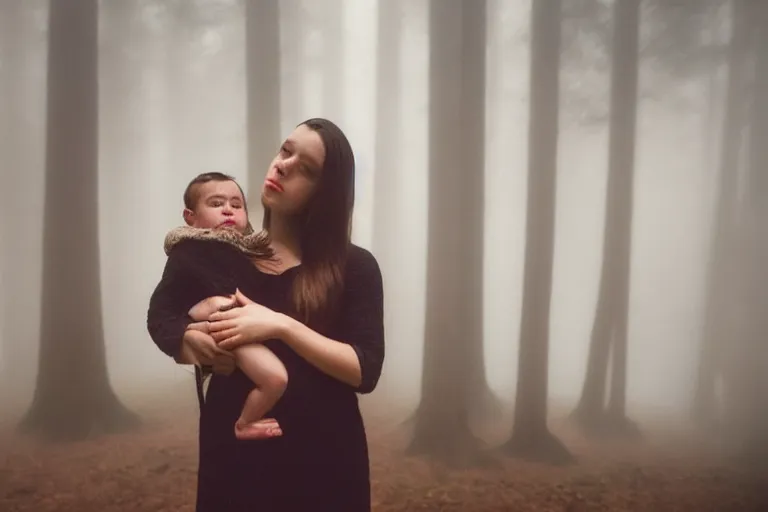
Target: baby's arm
point(206, 307)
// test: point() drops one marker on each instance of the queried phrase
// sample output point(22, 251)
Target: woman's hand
point(247, 323)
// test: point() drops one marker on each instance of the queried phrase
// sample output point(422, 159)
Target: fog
point(172, 104)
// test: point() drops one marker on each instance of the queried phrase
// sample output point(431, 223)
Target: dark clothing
point(321, 461)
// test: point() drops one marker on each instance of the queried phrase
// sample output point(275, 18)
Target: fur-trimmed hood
point(253, 243)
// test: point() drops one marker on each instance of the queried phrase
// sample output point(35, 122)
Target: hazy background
point(173, 97)
point(191, 86)
point(180, 110)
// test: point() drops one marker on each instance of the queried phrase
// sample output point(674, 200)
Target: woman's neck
point(285, 238)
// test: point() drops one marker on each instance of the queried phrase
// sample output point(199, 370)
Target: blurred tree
point(723, 263)
point(262, 35)
point(454, 326)
point(750, 377)
point(73, 398)
point(609, 331)
point(531, 437)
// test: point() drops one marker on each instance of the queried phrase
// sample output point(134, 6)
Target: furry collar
point(250, 244)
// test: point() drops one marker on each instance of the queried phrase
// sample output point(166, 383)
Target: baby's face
point(220, 204)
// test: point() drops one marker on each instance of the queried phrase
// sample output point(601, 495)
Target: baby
point(216, 217)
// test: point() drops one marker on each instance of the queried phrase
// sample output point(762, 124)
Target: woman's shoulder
point(362, 267)
point(360, 257)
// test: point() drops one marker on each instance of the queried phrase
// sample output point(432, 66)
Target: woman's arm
point(356, 358)
point(337, 359)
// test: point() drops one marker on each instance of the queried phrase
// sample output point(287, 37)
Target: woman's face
point(294, 173)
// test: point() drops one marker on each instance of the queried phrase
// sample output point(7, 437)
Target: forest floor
point(153, 469)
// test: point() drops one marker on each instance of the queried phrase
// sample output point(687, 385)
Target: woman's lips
point(273, 185)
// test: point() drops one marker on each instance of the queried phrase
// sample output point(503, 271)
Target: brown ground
point(154, 470)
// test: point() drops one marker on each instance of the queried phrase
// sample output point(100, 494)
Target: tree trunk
point(531, 437)
point(453, 330)
point(73, 398)
point(611, 317)
point(590, 409)
point(333, 59)
point(754, 363)
point(718, 308)
point(621, 164)
point(262, 36)
point(293, 63)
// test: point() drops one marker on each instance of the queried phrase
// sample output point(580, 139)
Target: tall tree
point(531, 437)
point(332, 21)
point(262, 36)
point(621, 165)
point(610, 326)
point(722, 262)
point(73, 398)
point(752, 376)
point(293, 65)
point(453, 330)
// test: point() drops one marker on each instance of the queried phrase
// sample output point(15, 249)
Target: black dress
point(321, 461)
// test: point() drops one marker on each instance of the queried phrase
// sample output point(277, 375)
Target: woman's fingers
point(231, 343)
point(224, 315)
point(221, 325)
point(224, 334)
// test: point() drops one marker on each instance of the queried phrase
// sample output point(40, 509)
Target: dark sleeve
point(167, 319)
point(362, 315)
point(192, 273)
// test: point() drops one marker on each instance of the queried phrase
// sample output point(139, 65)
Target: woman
point(318, 305)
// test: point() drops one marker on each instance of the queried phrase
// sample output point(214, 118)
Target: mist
point(173, 102)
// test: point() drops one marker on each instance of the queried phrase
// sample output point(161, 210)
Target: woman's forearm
point(334, 358)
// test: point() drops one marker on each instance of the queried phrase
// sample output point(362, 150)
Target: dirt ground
point(153, 469)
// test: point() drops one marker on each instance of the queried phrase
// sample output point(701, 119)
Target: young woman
point(318, 305)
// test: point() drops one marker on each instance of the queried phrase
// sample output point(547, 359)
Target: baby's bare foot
point(262, 429)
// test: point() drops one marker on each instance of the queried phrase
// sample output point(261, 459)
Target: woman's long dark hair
point(326, 227)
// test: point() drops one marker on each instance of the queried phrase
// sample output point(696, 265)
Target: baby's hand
point(206, 307)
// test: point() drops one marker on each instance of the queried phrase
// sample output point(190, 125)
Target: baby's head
point(215, 200)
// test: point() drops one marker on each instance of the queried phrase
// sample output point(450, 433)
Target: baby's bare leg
point(206, 307)
point(268, 373)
